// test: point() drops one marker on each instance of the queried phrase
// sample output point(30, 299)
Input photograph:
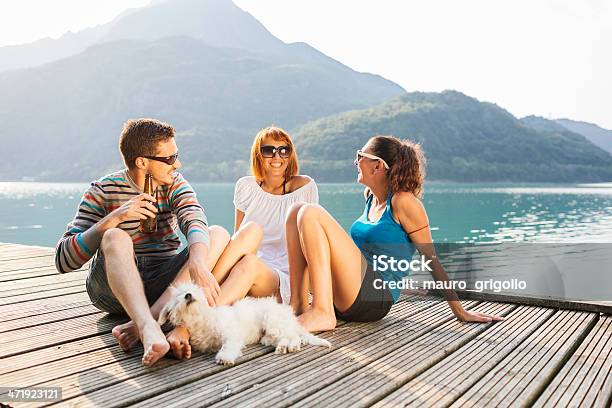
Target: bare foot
point(179, 342)
point(154, 342)
point(127, 335)
point(315, 321)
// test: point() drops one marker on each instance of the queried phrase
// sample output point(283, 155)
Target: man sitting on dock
point(131, 270)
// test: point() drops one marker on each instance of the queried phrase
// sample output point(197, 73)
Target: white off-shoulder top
point(269, 211)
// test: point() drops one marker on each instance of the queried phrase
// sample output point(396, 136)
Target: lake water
point(535, 229)
point(37, 213)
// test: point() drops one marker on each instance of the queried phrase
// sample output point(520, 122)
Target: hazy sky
point(551, 58)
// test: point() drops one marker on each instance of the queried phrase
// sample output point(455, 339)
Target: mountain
point(207, 67)
point(218, 75)
point(599, 136)
point(216, 22)
point(463, 139)
point(48, 50)
point(540, 123)
point(219, 23)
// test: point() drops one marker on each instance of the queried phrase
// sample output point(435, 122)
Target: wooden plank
point(8, 248)
point(47, 318)
point(18, 248)
point(443, 383)
point(41, 282)
point(582, 379)
point(33, 338)
point(395, 367)
point(13, 300)
point(542, 301)
point(81, 359)
point(25, 254)
point(301, 380)
point(42, 315)
point(31, 273)
point(116, 382)
point(57, 355)
point(27, 264)
point(9, 294)
point(12, 244)
point(604, 399)
point(169, 376)
point(83, 362)
point(520, 378)
point(37, 307)
point(32, 368)
point(8, 252)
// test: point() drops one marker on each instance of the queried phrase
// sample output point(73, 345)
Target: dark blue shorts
point(157, 273)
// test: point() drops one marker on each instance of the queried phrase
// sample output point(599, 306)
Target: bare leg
point(127, 334)
point(250, 276)
point(334, 265)
point(298, 271)
point(245, 241)
point(126, 284)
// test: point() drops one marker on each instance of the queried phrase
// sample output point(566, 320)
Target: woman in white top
point(262, 202)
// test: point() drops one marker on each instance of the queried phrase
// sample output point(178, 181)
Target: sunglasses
point(168, 160)
point(361, 154)
point(269, 151)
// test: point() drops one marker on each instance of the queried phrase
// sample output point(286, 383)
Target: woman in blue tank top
point(356, 278)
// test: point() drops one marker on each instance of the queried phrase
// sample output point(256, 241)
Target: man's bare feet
point(127, 335)
point(154, 342)
point(178, 339)
point(314, 320)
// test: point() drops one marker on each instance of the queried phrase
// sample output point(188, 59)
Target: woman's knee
point(115, 239)
point(250, 235)
point(218, 235)
point(252, 230)
point(292, 213)
point(309, 213)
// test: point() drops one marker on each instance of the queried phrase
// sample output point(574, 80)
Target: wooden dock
point(419, 355)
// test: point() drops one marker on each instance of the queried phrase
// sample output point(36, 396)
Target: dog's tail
point(309, 338)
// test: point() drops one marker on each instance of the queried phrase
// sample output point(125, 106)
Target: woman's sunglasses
point(269, 151)
point(361, 154)
point(168, 160)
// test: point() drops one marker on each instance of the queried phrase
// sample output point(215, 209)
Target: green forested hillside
point(464, 140)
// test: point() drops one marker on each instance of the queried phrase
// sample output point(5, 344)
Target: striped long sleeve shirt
point(178, 209)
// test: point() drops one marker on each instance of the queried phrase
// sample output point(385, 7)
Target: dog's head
point(187, 300)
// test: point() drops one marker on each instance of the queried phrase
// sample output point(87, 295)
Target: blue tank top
point(383, 237)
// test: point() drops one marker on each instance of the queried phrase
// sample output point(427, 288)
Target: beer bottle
point(148, 225)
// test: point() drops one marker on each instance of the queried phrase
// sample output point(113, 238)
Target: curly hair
point(406, 163)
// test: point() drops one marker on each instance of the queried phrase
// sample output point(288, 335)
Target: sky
point(551, 58)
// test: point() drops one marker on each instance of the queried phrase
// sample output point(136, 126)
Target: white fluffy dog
point(230, 328)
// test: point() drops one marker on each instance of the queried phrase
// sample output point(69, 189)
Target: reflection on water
point(476, 213)
point(37, 213)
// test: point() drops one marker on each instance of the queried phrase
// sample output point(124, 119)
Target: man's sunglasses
point(168, 160)
point(269, 151)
